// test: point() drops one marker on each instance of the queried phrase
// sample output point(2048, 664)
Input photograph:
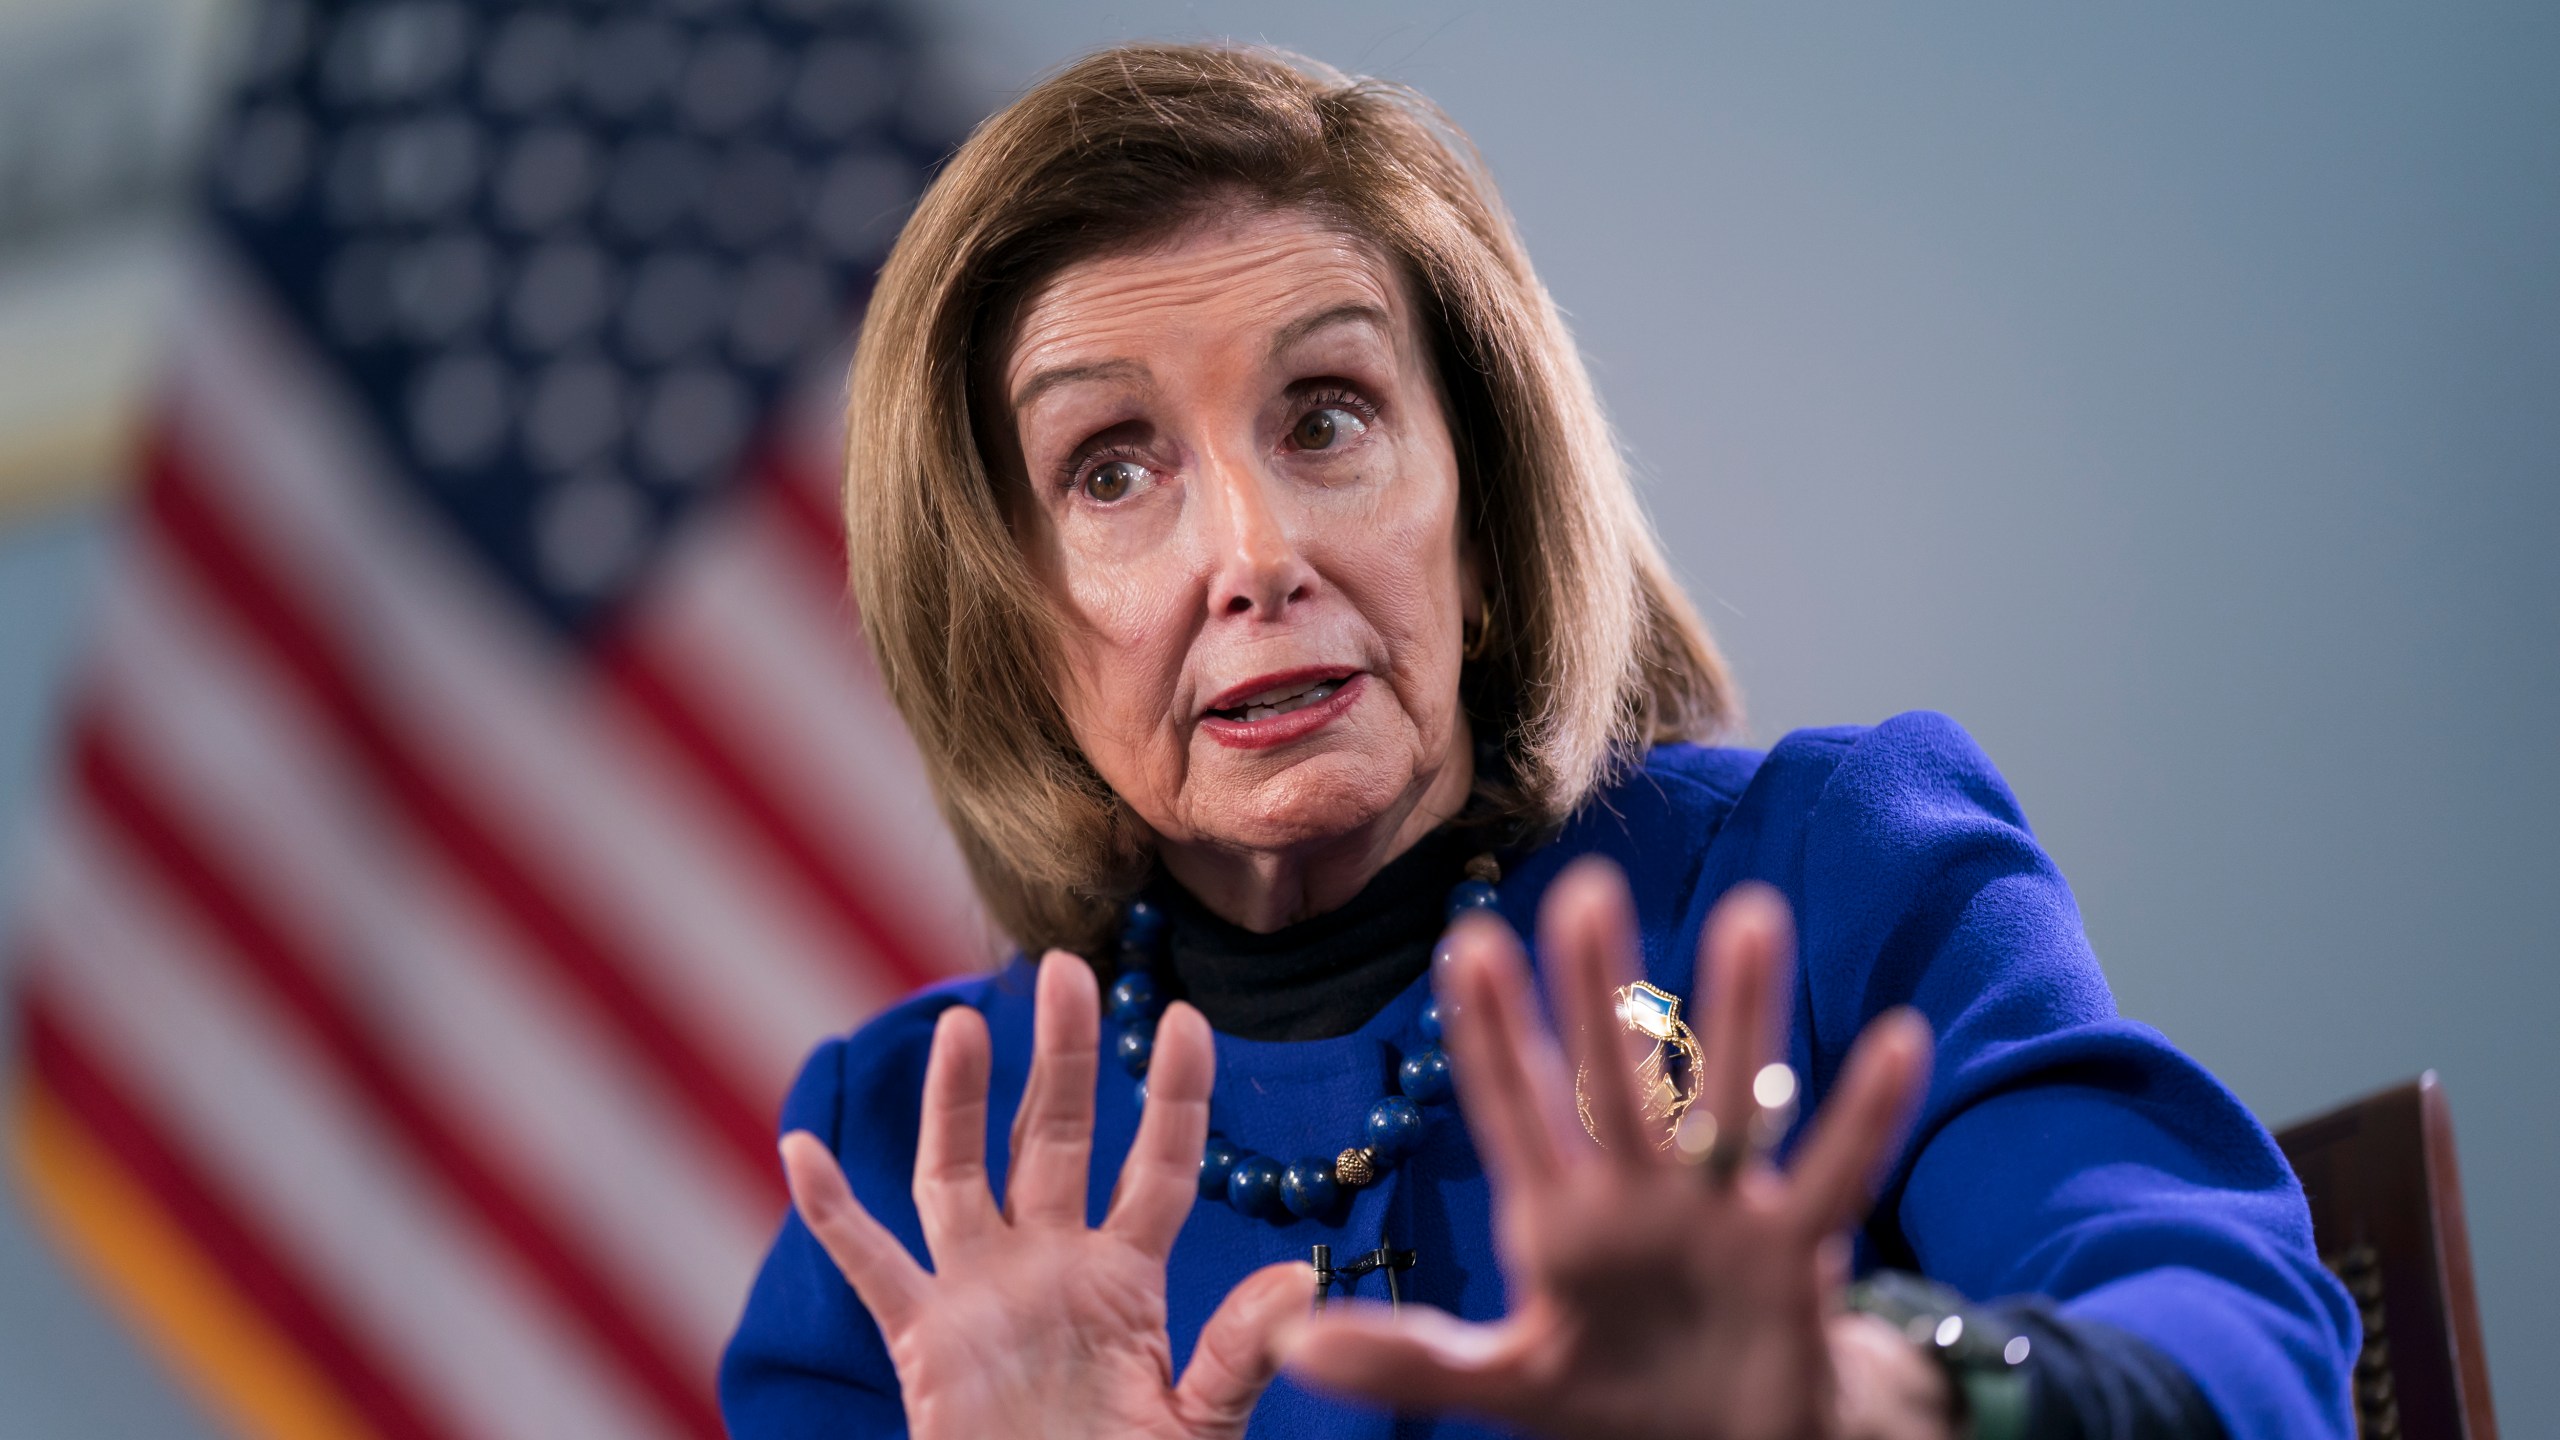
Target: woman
point(1237, 531)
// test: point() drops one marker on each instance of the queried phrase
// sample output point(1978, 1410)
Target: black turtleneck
point(1320, 977)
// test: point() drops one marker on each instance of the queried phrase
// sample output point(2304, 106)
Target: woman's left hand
point(1651, 1296)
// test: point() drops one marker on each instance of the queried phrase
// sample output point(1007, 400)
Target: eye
point(1113, 479)
point(1325, 427)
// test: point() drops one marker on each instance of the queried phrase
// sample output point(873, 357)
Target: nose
point(1257, 569)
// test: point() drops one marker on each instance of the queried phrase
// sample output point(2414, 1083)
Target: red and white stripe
point(441, 981)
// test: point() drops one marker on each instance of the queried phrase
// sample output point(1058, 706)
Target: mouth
point(1276, 709)
point(1274, 700)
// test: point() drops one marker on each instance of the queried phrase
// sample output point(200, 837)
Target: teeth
point(1300, 701)
point(1277, 695)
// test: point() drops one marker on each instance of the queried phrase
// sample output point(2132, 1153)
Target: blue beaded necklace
point(1260, 1186)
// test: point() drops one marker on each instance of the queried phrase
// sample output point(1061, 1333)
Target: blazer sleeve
point(2062, 1150)
point(806, 1360)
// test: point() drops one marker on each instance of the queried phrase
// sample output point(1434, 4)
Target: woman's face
point(1237, 482)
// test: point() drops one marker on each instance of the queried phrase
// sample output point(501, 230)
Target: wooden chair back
point(2386, 1210)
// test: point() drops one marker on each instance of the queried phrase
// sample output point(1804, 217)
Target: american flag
point(478, 799)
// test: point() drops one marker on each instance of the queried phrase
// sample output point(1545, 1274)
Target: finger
point(1861, 1125)
point(1239, 1349)
point(1507, 1068)
point(1587, 931)
point(952, 1200)
point(1416, 1358)
point(892, 1285)
point(1833, 1259)
point(1161, 1177)
point(1053, 1131)
point(1884, 1386)
point(1750, 952)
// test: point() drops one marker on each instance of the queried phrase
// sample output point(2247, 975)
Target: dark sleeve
point(806, 1360)
point(2092, 1381)
point(2062, 1151)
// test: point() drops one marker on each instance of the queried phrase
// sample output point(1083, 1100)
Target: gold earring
point(1475, 638)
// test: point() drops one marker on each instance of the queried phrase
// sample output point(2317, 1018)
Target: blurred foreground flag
point(478, 800)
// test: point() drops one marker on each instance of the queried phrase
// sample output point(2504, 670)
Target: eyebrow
point(1355, 313)
point(1057, 375)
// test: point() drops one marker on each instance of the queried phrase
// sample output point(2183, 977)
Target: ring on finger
point(1719, 1150)
point(1722, 1150)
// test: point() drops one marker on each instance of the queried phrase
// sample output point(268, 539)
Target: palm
point(1649, 1302)
point(1627, 1309)
point(1076, 1325)
point(1031, 1322)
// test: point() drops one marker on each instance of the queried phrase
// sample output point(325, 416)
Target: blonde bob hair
point(1589, 650)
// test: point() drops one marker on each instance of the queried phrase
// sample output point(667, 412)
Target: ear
point(1473, 603)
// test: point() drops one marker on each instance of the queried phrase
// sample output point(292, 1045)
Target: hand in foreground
point(1649, 1297)
point(1031, 1323)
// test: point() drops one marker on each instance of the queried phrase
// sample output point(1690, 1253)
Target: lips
point(1275, 709)
point(1276, 700)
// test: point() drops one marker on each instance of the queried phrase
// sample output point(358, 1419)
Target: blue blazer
point(2062, 1151)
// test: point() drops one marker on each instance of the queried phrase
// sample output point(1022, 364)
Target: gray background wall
point(2171, 393)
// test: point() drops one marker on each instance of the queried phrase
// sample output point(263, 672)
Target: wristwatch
point(1985, 1361)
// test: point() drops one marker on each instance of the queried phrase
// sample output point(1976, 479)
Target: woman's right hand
point(1030, 1322)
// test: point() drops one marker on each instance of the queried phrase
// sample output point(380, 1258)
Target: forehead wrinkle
point(1116, 295)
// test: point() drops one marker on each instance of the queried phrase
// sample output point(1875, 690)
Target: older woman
point(1239, 535)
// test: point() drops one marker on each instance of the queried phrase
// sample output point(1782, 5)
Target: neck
point(1266, 890)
